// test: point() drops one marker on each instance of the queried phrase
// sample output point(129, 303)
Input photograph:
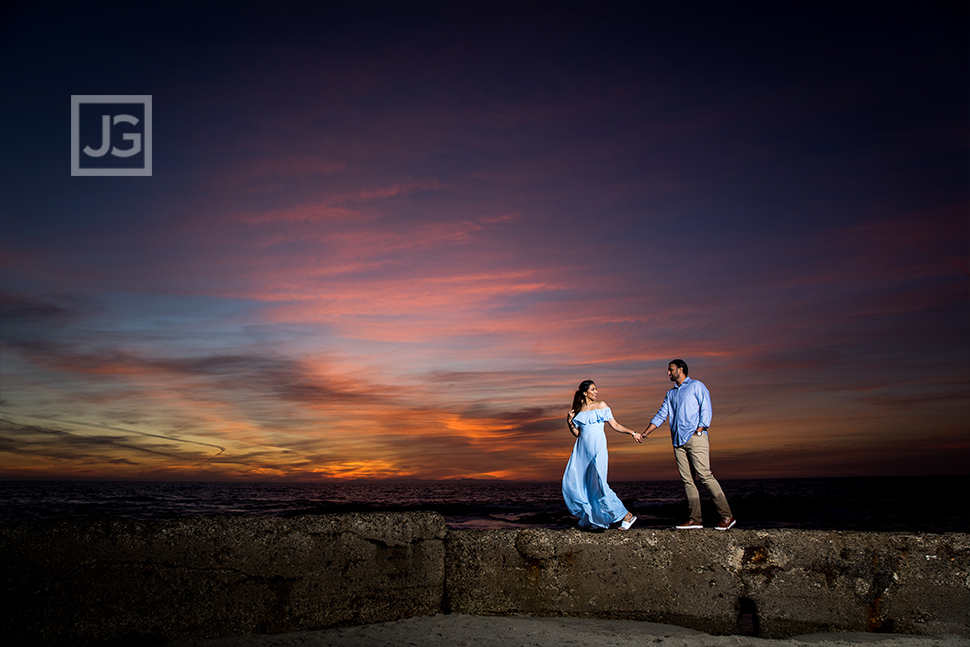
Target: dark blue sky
point(389, 239)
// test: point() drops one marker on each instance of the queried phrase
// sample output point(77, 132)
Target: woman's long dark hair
point(579, 399)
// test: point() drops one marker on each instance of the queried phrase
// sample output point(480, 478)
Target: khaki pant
point(694, 458)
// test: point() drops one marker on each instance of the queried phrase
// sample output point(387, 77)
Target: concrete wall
point(772, 584)
point(85, 582)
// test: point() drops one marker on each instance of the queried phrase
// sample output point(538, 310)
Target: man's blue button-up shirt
point(688, 407)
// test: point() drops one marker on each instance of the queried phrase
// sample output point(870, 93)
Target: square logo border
point(77, 100)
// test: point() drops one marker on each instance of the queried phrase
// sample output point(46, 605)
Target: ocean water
point(900, 504)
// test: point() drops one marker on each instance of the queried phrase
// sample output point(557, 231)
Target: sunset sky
point(390, 240)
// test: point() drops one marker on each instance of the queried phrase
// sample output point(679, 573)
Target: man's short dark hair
point(681, 364)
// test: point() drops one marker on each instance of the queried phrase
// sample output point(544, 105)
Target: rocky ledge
point(83, 582)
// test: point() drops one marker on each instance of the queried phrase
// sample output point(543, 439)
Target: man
point(687, 407)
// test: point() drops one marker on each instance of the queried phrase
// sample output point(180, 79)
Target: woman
point(584, 486)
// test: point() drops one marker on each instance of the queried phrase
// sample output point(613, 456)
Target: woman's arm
point(572, 427)
point(623, 430)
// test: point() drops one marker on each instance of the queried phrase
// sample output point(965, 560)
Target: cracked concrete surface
point(82, 582)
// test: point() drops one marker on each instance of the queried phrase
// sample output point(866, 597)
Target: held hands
point(640, 436)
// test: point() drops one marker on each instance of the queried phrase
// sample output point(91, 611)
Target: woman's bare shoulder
point(600, 405)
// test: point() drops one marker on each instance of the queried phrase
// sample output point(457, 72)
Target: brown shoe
point(689, 525)
point(726, 523)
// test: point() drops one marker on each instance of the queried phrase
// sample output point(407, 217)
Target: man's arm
point(646, 432)
point(657, 419)
point(705, 410)
point(662, 413)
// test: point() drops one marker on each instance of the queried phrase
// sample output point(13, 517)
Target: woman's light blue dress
point(584, 486)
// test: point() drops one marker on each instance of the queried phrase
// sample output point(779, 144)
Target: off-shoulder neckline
point(602, 408)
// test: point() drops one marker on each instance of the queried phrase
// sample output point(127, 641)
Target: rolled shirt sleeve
point(663, 412)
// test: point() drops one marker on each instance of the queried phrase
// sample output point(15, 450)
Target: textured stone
point(75, 582)
point(774, 584)
point(92, 581)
